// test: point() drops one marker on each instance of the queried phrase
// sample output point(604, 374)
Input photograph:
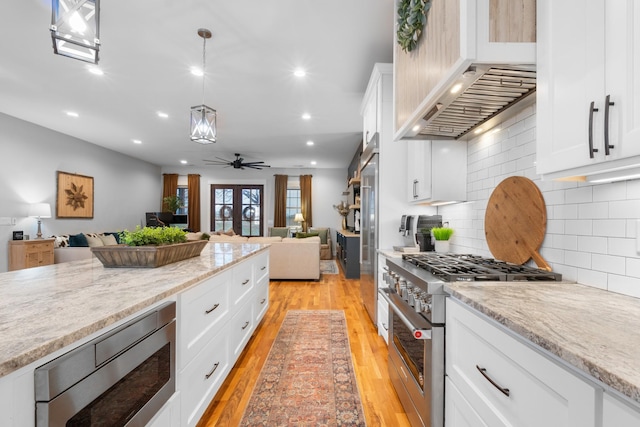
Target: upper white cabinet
point(588, 97)
point(376, 94)
point(461, 36)
point(437, 171)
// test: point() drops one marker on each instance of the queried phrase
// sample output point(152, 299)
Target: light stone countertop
point(595, 331)
point(44, 309)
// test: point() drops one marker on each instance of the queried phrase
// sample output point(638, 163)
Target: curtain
point(280, 209)
point(193, 212)
point(305, 200)
point(169, 187)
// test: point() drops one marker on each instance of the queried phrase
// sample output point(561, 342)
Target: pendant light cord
point(204, 47)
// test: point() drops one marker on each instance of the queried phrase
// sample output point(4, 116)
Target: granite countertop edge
point(586, 364)
point(218, 258)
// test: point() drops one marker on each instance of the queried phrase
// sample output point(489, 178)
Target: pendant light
point(203, 118)
point(75, 29)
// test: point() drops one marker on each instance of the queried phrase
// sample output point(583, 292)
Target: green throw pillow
point(305, 235)
point(322, 232)
point(279, 231)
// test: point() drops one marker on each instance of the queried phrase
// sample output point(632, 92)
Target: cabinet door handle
point(245, 325)
point(211, 309)
point(415, 188)
point(592, 150)
point(207, 376)
point(263, 268)
point(483, 371)
point(245, 282)
point(263, 300)
point(607, 104)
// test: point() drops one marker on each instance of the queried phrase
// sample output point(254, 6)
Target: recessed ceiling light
point(184, 162)
point(95, 70)
point(299, 72)
point(478, 131)
point(456, 88)
point(416, 128)
point(197, 71)
point(72, 114)
point(310, 143)
point(306, 116)
point(162, 115)
point(136, 141)
point(313, 162)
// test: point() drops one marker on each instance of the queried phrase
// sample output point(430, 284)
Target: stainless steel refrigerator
point(369, 227)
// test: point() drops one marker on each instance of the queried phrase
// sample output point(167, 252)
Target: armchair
point(326, 251)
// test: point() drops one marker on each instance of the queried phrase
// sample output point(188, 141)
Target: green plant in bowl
point(155, 236)
point(442, 233)
point(172, 203)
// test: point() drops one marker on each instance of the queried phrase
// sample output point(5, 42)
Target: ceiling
point(148, 48)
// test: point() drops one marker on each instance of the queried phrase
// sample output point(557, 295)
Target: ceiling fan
point(238, 163)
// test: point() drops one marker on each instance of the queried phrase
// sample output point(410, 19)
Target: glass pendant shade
point(75, 29)
point(203, 124)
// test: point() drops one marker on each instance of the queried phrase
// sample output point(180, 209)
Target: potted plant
point(442, 236)
point(172, 203)
point(149, 247)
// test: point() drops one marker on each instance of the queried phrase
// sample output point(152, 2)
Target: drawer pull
point(211, 309)
point(245, 326)
point(245, 282)
point(263, 300)
point(607, 104)
point(206, 377)
point(264, 267)
point(483, 371)
point(592, 109)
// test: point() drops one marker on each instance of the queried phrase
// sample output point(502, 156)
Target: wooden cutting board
point(515, 222)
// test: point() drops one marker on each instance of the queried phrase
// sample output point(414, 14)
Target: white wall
point(327, 188)
point(591, 229)
point(124, 188)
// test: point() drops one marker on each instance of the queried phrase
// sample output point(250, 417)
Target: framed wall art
point(74, 196)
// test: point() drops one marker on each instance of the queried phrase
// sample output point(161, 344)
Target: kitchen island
point(46, 311)
point(589, 331)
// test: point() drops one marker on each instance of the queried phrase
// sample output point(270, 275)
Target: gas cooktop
point(472, 268)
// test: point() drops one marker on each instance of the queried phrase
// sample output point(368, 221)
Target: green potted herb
point(442, 236)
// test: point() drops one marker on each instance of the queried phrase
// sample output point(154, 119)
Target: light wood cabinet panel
point(30, 253)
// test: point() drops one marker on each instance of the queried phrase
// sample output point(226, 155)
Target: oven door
point(416, 362)
point(128, 389)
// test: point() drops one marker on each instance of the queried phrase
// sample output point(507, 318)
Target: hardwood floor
point(368, 350)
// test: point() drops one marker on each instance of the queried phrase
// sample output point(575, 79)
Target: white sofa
point(289, 258)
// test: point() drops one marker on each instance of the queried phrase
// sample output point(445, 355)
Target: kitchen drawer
point(203, 310)
point(533, 380)
point(383, 319)
point(261, 266)
point(458, 412)
point(619, 413)
point(262, 299)
point(242, 283)
point(201, 379)
point(240, 328)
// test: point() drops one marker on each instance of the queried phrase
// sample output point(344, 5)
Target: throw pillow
point(116, 235)
point(230, 232)
point(322, 232)
point(305, 235)
point(78, 240)
point(279, 231)
point(108, 239)
point(61, 241)
point(93, 240)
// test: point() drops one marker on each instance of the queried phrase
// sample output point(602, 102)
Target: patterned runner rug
point(308, 378)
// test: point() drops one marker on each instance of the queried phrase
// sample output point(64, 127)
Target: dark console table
point(348, 253)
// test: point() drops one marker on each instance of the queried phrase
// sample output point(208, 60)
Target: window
point(183, 194)
point(293, 205)
point(237, 207)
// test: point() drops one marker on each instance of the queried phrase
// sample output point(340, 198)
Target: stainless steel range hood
point(481, 93)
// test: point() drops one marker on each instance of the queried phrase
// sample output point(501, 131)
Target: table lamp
point(40, 210)
point(299, 219)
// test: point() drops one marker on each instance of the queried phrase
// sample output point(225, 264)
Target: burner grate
point(468, 268)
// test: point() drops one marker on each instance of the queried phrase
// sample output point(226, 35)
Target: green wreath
point(412, 17)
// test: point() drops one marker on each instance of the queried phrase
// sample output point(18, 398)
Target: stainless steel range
point(417, 322)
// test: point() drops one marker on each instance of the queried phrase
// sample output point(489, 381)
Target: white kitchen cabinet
point(507, 382)
point(436, 171)
point(458, 411)
point(619, 413)
point(588, 53)
point(169, 415)
point(375, 95)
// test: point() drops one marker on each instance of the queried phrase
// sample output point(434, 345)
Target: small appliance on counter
point(414, 241)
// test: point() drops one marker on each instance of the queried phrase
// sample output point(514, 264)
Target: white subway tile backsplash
point(591, 228)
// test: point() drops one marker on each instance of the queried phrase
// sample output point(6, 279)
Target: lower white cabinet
point(169, 415)
point(458, 411)
point(618, 413)
point(509, 383)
